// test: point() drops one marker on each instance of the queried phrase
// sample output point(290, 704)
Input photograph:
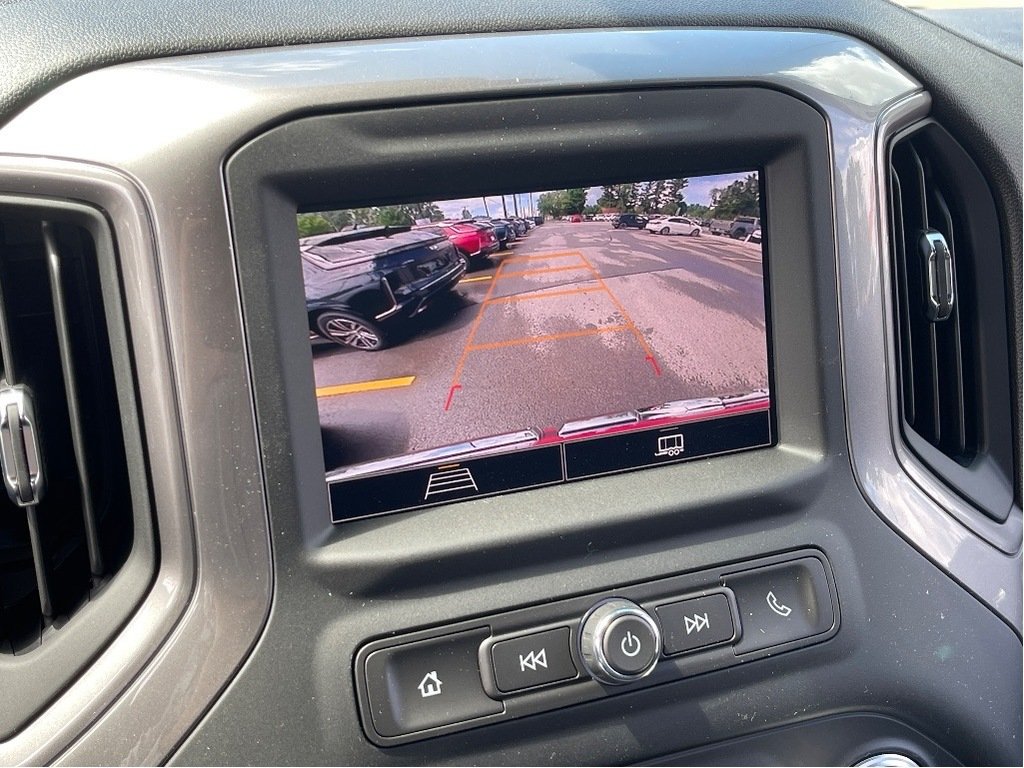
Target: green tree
point(552, 204)
point(741, 198)
point(313, 224)
point(671, 196)
point(392, 216)
point(361, 217)
point(576, 199)
point(696, 211)
point(647, 197)
point(562, 202)
point(404, 215)
point(339, 219)
point(618, 196)
point(428, 211)
point(349, 218)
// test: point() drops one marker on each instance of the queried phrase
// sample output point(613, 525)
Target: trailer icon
point(670, 445)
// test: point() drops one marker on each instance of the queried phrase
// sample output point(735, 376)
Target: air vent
point(77, 545)
point(950, 300)
point(66, 523)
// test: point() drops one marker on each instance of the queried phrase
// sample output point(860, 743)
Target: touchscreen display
point(465, 348)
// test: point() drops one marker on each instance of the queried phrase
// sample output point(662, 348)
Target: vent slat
point(953, 414)
point(919, 335)
point(903, 302)
point(934, 376)
point(60, 312)
point(39, 564)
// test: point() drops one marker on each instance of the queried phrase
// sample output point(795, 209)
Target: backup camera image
point(469, 347)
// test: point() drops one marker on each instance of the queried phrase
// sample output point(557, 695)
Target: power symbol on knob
point(619, 641)
point(631, 645)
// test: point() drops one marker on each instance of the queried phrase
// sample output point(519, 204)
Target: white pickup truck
point(720, 226)
point(743, 227)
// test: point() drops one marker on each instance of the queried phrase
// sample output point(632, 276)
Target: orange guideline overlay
point(601, 287)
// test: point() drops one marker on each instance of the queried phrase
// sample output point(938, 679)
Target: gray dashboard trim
point(984, 555)
point(170, 124)
point(79, 707)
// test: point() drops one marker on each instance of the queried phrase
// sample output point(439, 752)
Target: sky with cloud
point(697, 191)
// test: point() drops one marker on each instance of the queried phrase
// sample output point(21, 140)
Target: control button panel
point(781, 603)
point(532, 660)
point(560, 653)
point(417, 686)
point(696, 623)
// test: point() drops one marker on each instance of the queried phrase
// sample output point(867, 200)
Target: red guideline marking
point(451, 394)
point(654, 364)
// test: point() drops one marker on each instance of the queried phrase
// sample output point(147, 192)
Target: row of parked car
point(362, 284)
point(662, 225)
point(740, 228)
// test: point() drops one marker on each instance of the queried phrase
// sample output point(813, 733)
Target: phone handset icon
point(775, 605)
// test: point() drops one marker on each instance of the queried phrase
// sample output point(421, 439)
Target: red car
point(473, 240)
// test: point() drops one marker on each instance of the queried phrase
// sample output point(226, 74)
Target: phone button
point(781, 603)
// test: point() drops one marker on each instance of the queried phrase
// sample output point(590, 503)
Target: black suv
point(634, 220)
point(361, 282)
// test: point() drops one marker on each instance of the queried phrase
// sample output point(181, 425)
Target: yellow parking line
point(365, 386)
point(476, 279)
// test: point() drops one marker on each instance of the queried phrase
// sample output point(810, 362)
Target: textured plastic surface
point(839, 740)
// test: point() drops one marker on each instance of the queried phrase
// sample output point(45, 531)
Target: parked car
point(575, 218)
point(630, 221)
point(520, 226)
point(360, 285)
point(743, 226)
point(538, 220)
point(674, 225)
point(475, 240)
point(503, 230)
point(755, 236)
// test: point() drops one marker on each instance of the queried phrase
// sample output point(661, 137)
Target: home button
point(417, 686)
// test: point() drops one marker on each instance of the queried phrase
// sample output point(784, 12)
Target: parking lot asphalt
point(576, 320)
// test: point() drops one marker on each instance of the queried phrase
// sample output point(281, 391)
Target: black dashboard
point(650, 480)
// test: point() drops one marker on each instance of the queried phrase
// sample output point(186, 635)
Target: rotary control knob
point(619, 642)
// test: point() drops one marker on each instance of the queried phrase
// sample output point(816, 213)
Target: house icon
point(430, 685)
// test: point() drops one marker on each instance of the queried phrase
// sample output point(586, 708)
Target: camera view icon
point(450, 481)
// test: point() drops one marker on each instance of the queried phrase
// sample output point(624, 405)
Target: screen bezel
point(298, 165)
